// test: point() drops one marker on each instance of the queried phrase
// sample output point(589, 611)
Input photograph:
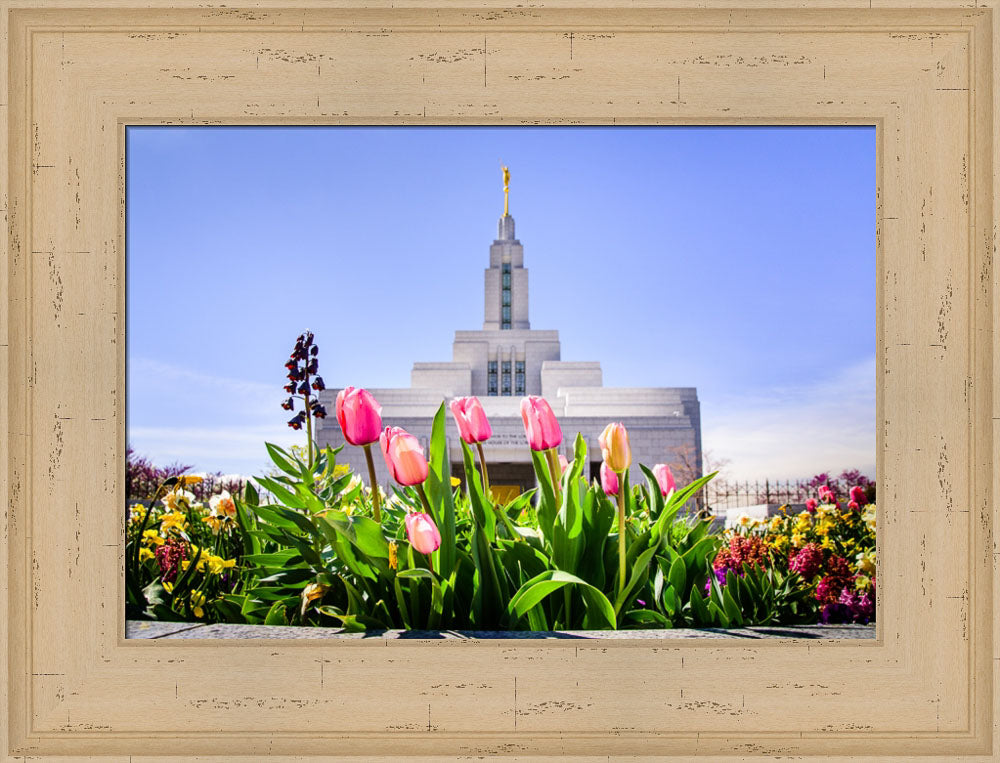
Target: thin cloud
point(796, 431)
point(221, 423)
point(237, 450)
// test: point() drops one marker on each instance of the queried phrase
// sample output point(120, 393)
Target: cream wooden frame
point(77, 72)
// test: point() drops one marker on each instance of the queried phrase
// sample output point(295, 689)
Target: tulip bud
point(359, 416)
point(665, 479)
point(615, 447)
point(403, 456)
point(422, 533)
point(473, 426)
point(609, 480)
point(540, 424)
point(563, 463)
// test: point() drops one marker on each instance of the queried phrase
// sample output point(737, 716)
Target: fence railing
point(728, 494)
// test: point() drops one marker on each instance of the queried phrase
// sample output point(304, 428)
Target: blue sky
point(740, 260)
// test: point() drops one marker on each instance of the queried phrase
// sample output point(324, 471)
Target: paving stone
point(155, 629)
point(139, 629)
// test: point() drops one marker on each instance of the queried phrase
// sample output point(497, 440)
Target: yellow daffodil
point(217, 565)
point(197, 603)
point(215, 523)
point(145, 555)
point(865, 564)
point(798, 540)
point(136, 512)
point(152, 537)
point(311, 593)
point(780, 542)
point(393, 555)
point(173, 520)
point(455, 482)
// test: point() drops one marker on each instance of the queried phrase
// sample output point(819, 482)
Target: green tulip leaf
point(599, 613)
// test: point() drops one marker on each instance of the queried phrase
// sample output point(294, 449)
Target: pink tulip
point(609, 480)
point(473, 425)
point(422, 532)
point(615, 447)
point(563, 463)
point(665, 478)
point(540, 423)
point(404, 456)
point(359, 415)
point(853, 505)
point(858, 494)
point(811, 505)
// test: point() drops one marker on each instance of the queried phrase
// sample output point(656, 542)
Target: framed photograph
point(210, 144)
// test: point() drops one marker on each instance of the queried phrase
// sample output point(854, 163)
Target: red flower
point(807, 561)
point(169, 557)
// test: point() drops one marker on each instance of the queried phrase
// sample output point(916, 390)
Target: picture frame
point(78, 73)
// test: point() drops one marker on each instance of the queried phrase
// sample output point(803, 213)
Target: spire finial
point(506, 189)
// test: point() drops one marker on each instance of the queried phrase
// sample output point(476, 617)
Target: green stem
point(482, 465)
point(309, 428)
point(621, 534)
point(376, 498)
point(555, 471)
point(423, 499)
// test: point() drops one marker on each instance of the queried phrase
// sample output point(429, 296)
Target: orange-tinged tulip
point(359, 416)
point(615, 447)
point(403, 455)
point(422, 532)
point(473, 425)
point(665, 478)
point(609, 480)
point(540, 424)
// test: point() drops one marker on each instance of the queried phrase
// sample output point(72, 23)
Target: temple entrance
point(507, 480)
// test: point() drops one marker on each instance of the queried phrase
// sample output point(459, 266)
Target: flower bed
point(571, 554)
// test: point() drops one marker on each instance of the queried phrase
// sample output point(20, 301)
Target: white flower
point(222, 505)
point(178, 499)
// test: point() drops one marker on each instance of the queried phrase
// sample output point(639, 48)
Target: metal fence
point(724, 494)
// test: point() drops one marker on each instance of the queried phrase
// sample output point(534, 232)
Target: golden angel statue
point(506, 188)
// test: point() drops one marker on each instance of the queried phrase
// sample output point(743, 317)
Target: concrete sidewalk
point(144, 629)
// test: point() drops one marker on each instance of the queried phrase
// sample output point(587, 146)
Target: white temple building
point(506, 360)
